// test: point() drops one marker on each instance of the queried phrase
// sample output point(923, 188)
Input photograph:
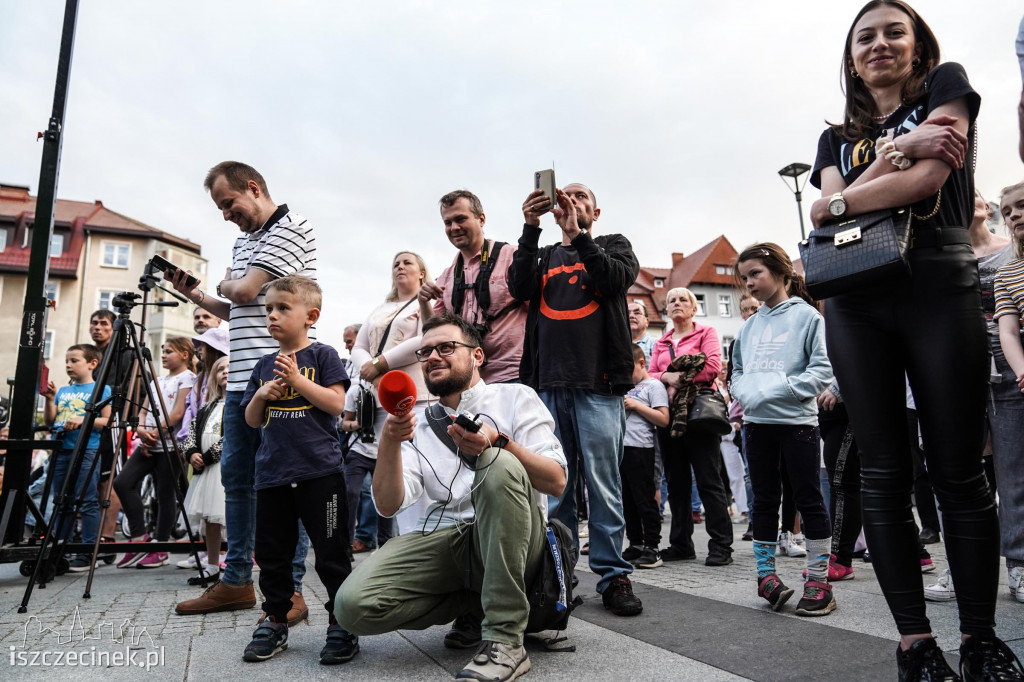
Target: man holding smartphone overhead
point(275, 242)
point(577, 356)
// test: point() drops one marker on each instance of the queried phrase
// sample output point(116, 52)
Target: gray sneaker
point(496, 662)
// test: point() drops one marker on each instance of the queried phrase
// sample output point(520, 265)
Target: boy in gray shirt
point(646, 408)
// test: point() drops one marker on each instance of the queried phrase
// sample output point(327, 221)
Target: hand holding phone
point(168, 268)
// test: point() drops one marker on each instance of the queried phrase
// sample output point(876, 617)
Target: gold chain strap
point(938, 202)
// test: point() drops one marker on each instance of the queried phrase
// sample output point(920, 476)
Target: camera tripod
point(124, 339)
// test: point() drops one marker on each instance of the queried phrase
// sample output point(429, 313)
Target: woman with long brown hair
point(906, 139)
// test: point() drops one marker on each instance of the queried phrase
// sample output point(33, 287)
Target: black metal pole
point(800, 212)
point(33, 325)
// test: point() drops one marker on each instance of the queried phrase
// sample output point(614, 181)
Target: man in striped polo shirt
point(274, 242)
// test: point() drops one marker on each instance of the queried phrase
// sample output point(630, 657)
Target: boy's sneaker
point(942, 590)
point(926, 560)
point(988, 658)
point(649, 558)
point(632, 553)
point(923, 662)
point(341, 647)
point(131, 558)
point(796, 547)
point(269, 638)
point(771, 588)
point(190, 562)
point(618, 598)
point(817, 600)
point(153, 560)
point(494, 661)
point(81, 563)
point(676, 554)
point(1016, 577)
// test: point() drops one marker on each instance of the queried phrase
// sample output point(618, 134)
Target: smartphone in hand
point(545, 180)
point(167, 267)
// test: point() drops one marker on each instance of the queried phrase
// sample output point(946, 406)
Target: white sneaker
point(584, 532)
point(1017, 583)
point(190, 562)
point(782, 548)
point(796, 546)
point(942, 590)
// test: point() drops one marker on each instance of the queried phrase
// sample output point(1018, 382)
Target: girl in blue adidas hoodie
point(779, 369)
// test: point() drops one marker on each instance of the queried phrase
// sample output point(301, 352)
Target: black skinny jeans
point(931, 326)
point(703, 452)
point(768, 446)
point(128, 486)
point(842, 460)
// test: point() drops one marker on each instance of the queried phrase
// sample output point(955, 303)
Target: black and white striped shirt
point(284, 246)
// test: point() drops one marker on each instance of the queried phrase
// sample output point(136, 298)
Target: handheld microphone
point(396, 392)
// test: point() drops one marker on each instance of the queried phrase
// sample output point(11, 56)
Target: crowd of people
point(535, 380)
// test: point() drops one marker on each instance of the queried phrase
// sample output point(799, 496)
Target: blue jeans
point(1006, 419)
point(88, 476)
point(238, 476)
point(366, 523)
point(590, 427)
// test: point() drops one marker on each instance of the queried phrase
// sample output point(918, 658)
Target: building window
point(723, 270)
point(659, 283)
point(726, 342)
point(56, 245)
point(51, 289)
point(724, 305)
point(48, 344)
point(3, 240)
point(702, 309)
point(115, 255)
point(105, 298)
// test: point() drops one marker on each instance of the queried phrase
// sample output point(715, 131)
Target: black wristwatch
point(501, 442)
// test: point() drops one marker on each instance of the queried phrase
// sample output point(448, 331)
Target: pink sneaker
point(927, 566)
point(131, 558)
point(836, 571)
point(153, 560)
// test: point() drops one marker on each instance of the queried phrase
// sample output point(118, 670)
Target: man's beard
point(455, 382)
point(582, 223)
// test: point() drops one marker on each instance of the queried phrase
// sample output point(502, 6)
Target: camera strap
point(481, 287)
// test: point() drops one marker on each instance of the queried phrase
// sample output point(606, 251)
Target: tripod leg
point(175, 460)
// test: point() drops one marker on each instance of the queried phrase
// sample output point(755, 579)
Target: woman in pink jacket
point(697, 449)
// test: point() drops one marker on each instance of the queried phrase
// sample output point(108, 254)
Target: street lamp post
point(794, 171)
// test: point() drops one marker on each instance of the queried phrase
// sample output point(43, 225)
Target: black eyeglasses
point(443, 349)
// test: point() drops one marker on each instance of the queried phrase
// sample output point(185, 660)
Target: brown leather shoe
point(219, 597)
point(358, 547)
point(296, 614)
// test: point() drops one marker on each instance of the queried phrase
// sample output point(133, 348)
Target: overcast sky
point(361, 115)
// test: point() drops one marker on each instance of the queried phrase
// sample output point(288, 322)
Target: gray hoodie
point(779, 364)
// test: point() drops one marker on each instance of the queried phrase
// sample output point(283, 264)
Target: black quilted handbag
point(709, 413)
point(845, 255)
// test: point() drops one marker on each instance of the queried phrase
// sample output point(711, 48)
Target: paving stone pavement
point(699, 623)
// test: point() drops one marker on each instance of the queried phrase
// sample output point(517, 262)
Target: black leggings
point(128, 486)
point(843, 463)
point(930, 326)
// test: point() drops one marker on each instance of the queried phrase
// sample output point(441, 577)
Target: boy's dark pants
point(323, 508)
point(638, 504)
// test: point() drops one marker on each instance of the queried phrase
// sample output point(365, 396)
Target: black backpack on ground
point(550, 594)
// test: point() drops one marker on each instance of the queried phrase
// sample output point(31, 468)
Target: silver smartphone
point(545, 180)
